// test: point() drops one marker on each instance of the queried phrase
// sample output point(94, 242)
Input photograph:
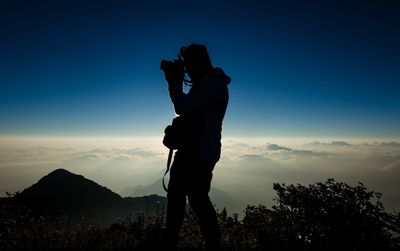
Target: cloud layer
point(246, 170)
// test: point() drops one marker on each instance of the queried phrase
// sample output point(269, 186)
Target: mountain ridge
point(64, 193)
point(219, 197)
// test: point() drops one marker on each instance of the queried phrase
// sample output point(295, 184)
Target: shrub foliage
point(326, 215)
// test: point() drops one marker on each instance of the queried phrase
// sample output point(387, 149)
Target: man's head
point(197, 62)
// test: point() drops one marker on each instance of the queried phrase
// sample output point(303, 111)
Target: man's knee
point(175, 195)
point(199, 200)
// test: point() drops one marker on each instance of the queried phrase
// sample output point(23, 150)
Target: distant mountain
point(140, 190)
point(219, 197)
point(64, 193)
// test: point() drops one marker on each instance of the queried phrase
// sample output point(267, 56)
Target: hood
point(220, 75)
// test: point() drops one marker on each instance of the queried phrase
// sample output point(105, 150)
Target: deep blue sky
point(298, 68)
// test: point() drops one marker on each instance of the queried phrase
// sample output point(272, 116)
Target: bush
point(324, 216)
point(321, 216)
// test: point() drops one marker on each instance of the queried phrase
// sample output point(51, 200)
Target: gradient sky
point(298, 68)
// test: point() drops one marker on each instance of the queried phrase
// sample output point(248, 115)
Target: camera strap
point(168, 167)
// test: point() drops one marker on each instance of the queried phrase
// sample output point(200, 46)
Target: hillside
point(64, 193)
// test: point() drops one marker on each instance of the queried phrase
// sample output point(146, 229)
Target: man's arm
point(208, 95)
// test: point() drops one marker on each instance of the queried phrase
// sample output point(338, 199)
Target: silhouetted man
point(204, 108)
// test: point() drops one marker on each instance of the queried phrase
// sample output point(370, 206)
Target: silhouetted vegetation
point(64, 193)
point(322, 216)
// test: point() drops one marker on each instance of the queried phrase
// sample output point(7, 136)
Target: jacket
point(210, 99)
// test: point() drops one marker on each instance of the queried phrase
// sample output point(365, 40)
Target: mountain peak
point(61, 171)
point(63, 180)
point(66, 190)
point(62, 192)
point(63, 176)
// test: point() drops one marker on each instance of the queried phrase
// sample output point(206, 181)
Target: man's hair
point(195, 52)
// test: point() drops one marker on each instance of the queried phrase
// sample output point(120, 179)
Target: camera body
point(167, 65)
point(173, 68)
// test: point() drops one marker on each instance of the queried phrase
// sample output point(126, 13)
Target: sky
point(298, 68)
point(314, 92)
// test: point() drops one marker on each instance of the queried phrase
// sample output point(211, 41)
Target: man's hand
point(174, 76)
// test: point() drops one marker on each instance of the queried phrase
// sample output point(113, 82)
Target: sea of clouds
point(244, 175)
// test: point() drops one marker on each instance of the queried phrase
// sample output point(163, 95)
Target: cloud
point(289, 152)
point(116, 153)
point(247, 169)
point(386, 161)
point(254, 157)
point(390, 144)
point(141, 153)
point(332, 143)
point(113, 167)
point(395, 165)
point(233, 145)
point(308, 153)
point(87, 157)
point(275, 147)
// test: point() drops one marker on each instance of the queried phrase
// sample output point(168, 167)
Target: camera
point(171, 66)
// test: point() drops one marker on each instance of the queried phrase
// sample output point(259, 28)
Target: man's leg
point(208, 221)
point(201, 205)
point(176, 203)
